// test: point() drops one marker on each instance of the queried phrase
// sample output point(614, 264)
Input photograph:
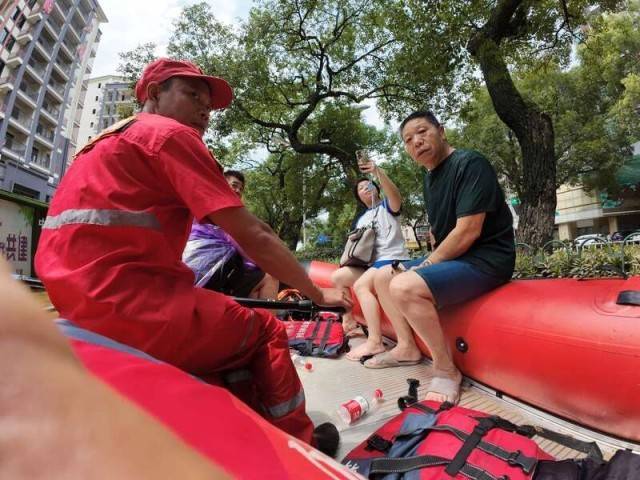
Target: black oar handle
point(299, 306)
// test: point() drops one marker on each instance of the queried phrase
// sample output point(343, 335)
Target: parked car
point(620, 235)
point(589, 239)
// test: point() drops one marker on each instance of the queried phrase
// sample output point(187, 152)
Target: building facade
point(46, 49)
point(108, 97)
point(579, 212)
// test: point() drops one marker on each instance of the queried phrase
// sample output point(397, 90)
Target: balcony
point(20, 121)
point(14, 147)
point(7, 83)
point(41, 160)
point(76, 31)
point(25, 36)
point(35, 15)
point(15, 59)
point(38, 69)
point(63, 68)
point(57, 89)
point(51, 110)
point(45, 136)
point(45, 47)
point(30, 95)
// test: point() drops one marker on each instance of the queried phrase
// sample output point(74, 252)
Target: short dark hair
point(361, 204)
point(236, 174)
point(166, 85)
point(426, 114)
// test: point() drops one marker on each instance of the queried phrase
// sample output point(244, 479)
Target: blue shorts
point(454, 281)
point(381, 263)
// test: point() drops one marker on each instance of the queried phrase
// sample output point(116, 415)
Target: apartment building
point(46, 49)
point(107, 98)
point(580, 212)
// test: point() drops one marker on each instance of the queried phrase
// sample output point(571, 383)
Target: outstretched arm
point(265, 248)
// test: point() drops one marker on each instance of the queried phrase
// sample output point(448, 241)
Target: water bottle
point(358, 406)
point(301, 362)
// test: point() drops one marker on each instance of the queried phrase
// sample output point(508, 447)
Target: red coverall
point(110, 258)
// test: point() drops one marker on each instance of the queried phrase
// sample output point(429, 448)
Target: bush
point(586, 263)
point(321, 253)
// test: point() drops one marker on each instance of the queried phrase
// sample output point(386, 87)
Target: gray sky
point(133, 22)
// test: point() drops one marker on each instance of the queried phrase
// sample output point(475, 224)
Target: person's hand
point(369, 167)
point(335, 297)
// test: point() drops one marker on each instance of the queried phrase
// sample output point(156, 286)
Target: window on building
point(91, 125)
point(4, 34)
point(9, 138)
point(16, 14)
point(32, 3)
point(20, 23)
point(35, 154)
point(10, 43)
point(88, 138)
point(122, 98)
point(93, 112)
point(25, 191)
point(1, 67)
point(96, 98)
point(99, 85)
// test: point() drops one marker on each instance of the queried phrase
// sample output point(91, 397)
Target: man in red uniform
point(111, 246)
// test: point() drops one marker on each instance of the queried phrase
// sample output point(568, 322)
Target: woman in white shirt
point(389, 246)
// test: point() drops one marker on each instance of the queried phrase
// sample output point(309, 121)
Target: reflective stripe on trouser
point(104, 217)
point(255, 340)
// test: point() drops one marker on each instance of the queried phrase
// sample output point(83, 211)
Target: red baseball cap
point(165, 68)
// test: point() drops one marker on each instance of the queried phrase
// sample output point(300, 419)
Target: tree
point(303, 55)
point(593, 134)
point(133, 62)
point(500, 36)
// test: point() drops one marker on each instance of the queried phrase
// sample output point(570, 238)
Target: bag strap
point(314, 335)
point(327, 333)
point(591, 449)
point(527, 464)
point(408, 464)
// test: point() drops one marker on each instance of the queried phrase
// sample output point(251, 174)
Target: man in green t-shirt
point(474, 253)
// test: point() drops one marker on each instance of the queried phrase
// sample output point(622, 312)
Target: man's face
point(188, 101)
point(424, 142)
point(236, 185)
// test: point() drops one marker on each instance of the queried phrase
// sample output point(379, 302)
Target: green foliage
point(592, 105)
point(320, 253)
point(588, 263)
point(133, 62)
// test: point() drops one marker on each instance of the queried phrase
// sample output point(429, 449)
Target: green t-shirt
point(464, 184)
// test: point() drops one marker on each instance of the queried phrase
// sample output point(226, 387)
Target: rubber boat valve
point(461, 345)
point(412, 396)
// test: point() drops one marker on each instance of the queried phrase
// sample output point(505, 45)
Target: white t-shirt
point(389, 243)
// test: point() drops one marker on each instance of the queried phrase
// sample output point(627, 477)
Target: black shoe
point(326, 438)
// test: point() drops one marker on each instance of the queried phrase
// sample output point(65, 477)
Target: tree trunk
point(538, 202)
point(533, 129)
point(289, 231)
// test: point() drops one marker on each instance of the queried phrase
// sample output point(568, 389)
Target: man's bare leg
point(414, 300)
point(266, 289)
point(57, 421)
point(363, 289)
point(406, 348)
point(343, 278)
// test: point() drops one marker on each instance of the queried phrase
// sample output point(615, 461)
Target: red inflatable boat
point(570, 347)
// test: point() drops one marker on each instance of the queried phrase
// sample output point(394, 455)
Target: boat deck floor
point(335, 381)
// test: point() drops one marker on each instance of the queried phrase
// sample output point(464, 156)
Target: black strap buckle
point(517, 459)
point(377, 443)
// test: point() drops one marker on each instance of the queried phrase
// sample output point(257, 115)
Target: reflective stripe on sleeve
point(112, 218)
